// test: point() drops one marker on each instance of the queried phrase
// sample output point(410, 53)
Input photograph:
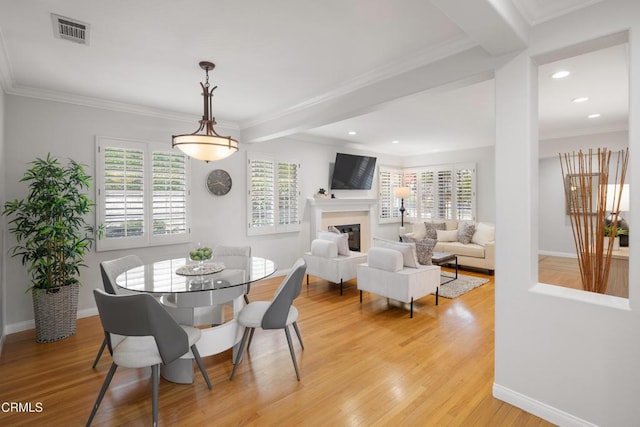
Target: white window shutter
point(142, 194)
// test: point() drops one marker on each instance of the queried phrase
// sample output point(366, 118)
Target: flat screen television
point(353, 172)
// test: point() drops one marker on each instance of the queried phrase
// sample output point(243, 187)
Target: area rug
point(460, 286)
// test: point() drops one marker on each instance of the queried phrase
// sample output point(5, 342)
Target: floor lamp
point(402, 193)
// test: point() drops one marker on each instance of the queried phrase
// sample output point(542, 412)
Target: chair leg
point(105, 385)
point(250, 338)
point(307, 280)
point(295, 327)
point(340, 287)
point(155, 381)
point(104, 344)
point(196, 355)
point(240, 351)
point(411, 309)
point(246, 298)
point(360, 297)
point(437, 291)
point(293, 354)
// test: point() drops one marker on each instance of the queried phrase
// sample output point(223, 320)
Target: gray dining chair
point(109, 271)
point(235, 257)
point(278, 313)
point(151, 338)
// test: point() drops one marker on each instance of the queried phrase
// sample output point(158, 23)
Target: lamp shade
point(402, 192)
point(613, 194)
point(206, 147)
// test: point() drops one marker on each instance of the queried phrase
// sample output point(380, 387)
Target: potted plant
point(615, 232)
point(52, 239)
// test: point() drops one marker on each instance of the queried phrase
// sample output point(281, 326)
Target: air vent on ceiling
point(70, 29)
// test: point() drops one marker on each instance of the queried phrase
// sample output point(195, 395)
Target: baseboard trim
point(539, 409)
point(558, 254)
point(25, 325)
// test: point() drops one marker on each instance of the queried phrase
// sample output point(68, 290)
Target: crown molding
point(539, 16)
point(122, 107)
point(619, 127)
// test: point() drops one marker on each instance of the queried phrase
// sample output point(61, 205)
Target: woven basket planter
point(55, 312)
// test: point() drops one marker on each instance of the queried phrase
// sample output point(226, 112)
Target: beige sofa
point(480, 252)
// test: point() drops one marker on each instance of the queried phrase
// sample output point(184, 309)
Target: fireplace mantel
point(329, 204)
point(321, 206)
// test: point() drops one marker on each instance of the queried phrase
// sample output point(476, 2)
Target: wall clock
point(219, 182)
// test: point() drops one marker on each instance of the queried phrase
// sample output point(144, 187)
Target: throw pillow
point(341, 240)
point(447, 235)
point(484, 233)
point(465, 232)
point(424, 248)
point(432, 229)
point(408, 250)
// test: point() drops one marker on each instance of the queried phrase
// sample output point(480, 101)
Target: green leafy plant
point(50, 222)
point(610, 230)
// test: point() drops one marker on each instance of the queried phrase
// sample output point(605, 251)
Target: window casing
point(273, 195)
point(437, 192)
point(142, 194)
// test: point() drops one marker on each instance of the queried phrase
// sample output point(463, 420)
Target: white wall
point(566, 355)
point(3, 249)
point(484, 158)
point(68, 130)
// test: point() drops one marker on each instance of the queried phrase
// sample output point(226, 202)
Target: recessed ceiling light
point(580, 99)
point(560, 74)
point(593, 116)
point(352, 132)
point(395, 141)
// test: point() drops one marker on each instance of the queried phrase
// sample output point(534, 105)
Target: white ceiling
point(286, 55)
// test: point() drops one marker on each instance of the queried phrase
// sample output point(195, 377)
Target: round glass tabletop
point(179, 275)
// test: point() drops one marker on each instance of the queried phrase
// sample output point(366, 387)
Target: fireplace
point(353, 230)
point(349, 212)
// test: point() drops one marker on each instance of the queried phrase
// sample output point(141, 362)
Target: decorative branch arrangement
point(585, 178)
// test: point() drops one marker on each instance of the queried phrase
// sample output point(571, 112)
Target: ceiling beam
point(471, 65)
point(496, 25)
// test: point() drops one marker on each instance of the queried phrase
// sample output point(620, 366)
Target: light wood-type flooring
point(363, 364)
point(559, 271)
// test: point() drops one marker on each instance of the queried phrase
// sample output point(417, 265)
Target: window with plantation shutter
point(388, 205)
point(427, 195)
point(273, 195)
point(288, 194)
point(410, 179)
point(444, 194)
point(169, 193)
point(142, 194)
point(440, 192)
point(465, 194)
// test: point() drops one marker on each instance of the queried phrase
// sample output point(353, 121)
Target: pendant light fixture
point(205, 143)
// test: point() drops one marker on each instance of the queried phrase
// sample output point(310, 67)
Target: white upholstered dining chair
point(147, 337)
point(278, 313)
point(109, 270)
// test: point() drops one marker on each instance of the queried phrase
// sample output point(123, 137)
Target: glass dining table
point(196, 294)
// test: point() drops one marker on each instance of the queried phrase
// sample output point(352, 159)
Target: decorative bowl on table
point(199, 266)
point(200, 254)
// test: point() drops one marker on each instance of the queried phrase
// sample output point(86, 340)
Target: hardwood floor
point(559, 271)
point(363, 364)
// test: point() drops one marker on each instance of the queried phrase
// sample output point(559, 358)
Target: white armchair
point(323, 261)
point(385, 274)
